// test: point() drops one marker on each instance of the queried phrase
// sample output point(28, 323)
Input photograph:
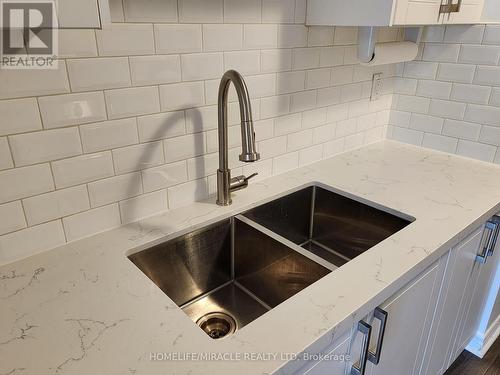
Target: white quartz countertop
point(84, 308)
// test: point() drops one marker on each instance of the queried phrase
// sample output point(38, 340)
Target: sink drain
point(217, 324)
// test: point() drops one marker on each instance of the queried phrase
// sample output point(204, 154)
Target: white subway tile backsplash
point(178, 38)
point(490, 135)
point(186, 193)
point(143, 206)
point(440, 142)
point(331, 56)
point(201, 11)
point(287, 124)
point(303, 100)
point(18, 83)
point(223, 37)
point(182, 95)
point(463, 33)
point(245, 62)
point(5, 155)
point(495, 96)
point(260, 36)
point(77, 43)
point(82, 169)
point(290, 36)
point(413, 137)
point(98, 73)
point(164, 176)
point(132, 102)
point(25, 182)
point(108, 135)
point(486, 75)
point(288, 82)
point(470, 93)
point(202, 66)
point(278, 11)
point(274, 106)
point(299, 140)
point(420, 69)
point(318, 78)
point(476, 150)
point(114, 189)
point(19, 116)
point(184, 147)
point(478, 54)
point(11, 217)
point(152, 11)
point(447, 109)
point(456, 73)
point(286, 162)
point(277, 60)
point(345, 35)
point(125, 40)
point(433, 34)
point(270, 148)
point(32, 148)
point(137, 157)
point(328, 96)
point(72, 109)
point(434, 89)
point(90, 222)
point(320, 36)
point(492, 34)
point(242, 11)
point(441, 52)
point(153, 70)
point(30, 241)
point(483, 114)
point(461, 129)
point(57, 204)
point(305, 58)
point(161, 125)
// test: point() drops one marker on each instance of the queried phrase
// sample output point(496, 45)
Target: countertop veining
point(84, 308)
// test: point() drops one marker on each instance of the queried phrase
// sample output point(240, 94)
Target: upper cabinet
point(401, 12)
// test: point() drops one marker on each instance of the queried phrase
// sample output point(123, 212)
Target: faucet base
point(224, 187)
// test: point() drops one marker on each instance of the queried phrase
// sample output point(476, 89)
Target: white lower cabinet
point(423, 327)
point(334, 364)
point(409, 317)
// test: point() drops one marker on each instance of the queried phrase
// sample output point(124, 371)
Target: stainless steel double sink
point(227, 274)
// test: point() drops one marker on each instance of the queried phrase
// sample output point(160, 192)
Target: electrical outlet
point(377, 86)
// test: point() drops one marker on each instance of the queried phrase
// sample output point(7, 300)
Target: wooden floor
point(469, 364)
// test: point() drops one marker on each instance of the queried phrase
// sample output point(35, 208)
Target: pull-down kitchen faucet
point(226, 184)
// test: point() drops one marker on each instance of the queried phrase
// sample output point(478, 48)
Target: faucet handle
point(251, 176)
point(240, 182)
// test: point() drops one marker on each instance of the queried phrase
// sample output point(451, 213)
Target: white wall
point(449, 99)
point(126, 127)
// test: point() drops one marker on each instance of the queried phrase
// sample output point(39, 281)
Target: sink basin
point(330, 225)
point(227, 274)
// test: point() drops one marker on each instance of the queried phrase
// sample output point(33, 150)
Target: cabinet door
point(470, 12)
point(480, 283)
point(335, 363)
point(409, 316)
point(417, 12)
point(459, 268)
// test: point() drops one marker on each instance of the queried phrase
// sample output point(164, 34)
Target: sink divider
point(286, 242)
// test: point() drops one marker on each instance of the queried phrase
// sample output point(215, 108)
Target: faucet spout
point(249, 151)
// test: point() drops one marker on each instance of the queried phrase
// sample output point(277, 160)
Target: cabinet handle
point(449, 7)
point(366, 330)
point(374, 357)
point(494, 238)
point(487, 240)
